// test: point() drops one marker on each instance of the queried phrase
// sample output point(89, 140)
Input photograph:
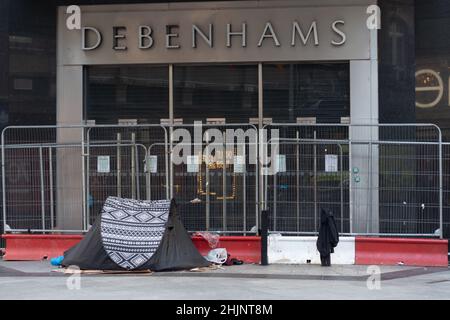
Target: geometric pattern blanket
point(132, 230)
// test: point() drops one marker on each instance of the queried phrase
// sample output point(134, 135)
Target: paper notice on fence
point(239, 164)
point(103, 164)
point(152, 164)
point(280, 163)
point(192, 164)
point(331, 163)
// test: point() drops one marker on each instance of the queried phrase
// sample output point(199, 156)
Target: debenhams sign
point(145, 35)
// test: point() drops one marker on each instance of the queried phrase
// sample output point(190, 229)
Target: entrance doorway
point(219, 194)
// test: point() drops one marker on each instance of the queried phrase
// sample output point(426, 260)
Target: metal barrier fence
point(377, 179)
point(446, 189)
point(134, 161)
point(30, 157)
point(214, 191)
point(384, 179)
point(305, 182)
point(115, 157)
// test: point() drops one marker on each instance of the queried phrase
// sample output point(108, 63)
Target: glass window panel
point(216, 91)
point(127, 92)
point(306, 90)
point(433, 63)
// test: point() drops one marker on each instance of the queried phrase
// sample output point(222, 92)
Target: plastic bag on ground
point(218, 256)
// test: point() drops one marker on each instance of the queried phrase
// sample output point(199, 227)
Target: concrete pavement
point(35, 280)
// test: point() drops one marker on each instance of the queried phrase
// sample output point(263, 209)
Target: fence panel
point(114, 170)
point(32, 188)
point(117, 158)
point(216, 186)
point(313, 175)
point(379, 180)
point(390, 186)
point(446, 189)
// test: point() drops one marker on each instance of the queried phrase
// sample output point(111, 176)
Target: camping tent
point(136, 235)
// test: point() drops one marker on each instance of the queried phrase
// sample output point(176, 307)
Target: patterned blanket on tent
point(132, 229)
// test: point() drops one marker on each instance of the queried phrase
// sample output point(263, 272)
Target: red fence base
point(247, 249)
point(368, 251)
point(32, 247)
point(395, 251)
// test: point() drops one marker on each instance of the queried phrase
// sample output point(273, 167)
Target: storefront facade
point(264, 43)
point(207, 61)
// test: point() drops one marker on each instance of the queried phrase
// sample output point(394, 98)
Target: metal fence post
point(369, 187)
point(341, 169)
point(274, 207)
point(41, 174)
point(207, 184)
point(84, 178)
point(166, 161)
point(262, 202)
point(148, 174)
point(3, 181)
point(50, 165)
point(244, 192)
point(86, 159)
point(119, 166)
point(441, 222)
point(257, 179)
point(315, 180)
point(350, 176)
point(171, 120)
point(133, 165)
point(138, 170)
point(297, 179)
point(224, 186)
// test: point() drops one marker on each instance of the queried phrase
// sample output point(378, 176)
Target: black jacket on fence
point(328, 233)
